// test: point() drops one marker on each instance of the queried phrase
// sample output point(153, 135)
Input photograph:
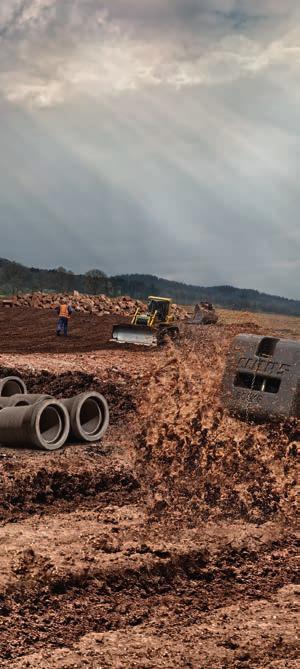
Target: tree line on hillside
point(16, 278)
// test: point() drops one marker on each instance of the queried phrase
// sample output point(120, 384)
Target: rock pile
point(96, 304)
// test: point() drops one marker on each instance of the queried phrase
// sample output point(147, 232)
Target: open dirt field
point(172, 543)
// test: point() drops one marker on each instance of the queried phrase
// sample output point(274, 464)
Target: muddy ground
point(33, 330)
point(172, 542)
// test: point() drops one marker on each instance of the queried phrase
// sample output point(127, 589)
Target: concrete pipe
point(13, 401)
point(12, 385)
point(89, 416)
point(23, 400)
point(45, 424)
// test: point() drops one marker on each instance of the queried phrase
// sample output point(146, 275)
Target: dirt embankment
point(171, 543)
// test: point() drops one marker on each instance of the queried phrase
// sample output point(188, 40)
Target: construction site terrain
point(172, 542)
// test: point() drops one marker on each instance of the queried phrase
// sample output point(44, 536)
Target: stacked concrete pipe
point(12, 385)
point(89, 416)
point(24, 417)
point(22, 400)
point(44, 424)
point(88, 412)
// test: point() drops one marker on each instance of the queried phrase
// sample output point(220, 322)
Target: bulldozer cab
point(160, 305)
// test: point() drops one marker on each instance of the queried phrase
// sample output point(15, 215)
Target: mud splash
point(195, 455)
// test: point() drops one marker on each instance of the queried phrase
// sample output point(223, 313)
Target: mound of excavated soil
point(94, 304)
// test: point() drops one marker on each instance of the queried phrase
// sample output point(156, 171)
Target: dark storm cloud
point(156, 137)
point(51, 50)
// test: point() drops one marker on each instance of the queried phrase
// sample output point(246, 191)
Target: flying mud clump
point(199, 458)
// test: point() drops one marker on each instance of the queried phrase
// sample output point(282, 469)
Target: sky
point(153, 136)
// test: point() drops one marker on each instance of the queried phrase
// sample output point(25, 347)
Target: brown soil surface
point(171, 543)
point(34, 330)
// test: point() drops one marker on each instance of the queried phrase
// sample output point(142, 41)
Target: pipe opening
point(12, 387)
point(21, 403)
point(50, 425)
point(90, 416)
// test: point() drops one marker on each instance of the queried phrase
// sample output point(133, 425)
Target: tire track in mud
point(52, 492)
point(44, 607)
point(219, 642)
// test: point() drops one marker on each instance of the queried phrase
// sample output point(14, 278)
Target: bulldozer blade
point(134, 334)
point(196, 321)
point(207, 318)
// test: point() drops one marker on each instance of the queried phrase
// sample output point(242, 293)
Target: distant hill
point(15, 277)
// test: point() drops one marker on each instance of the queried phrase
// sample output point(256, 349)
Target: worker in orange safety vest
point(64, 312)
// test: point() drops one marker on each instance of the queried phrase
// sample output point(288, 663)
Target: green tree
point(14, 276)
point(96, 281)
point(64, 279)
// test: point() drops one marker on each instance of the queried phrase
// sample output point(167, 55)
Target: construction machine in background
point(148, 328)
point(204, 314)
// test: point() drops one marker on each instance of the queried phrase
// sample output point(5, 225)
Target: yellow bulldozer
point(148, 328)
